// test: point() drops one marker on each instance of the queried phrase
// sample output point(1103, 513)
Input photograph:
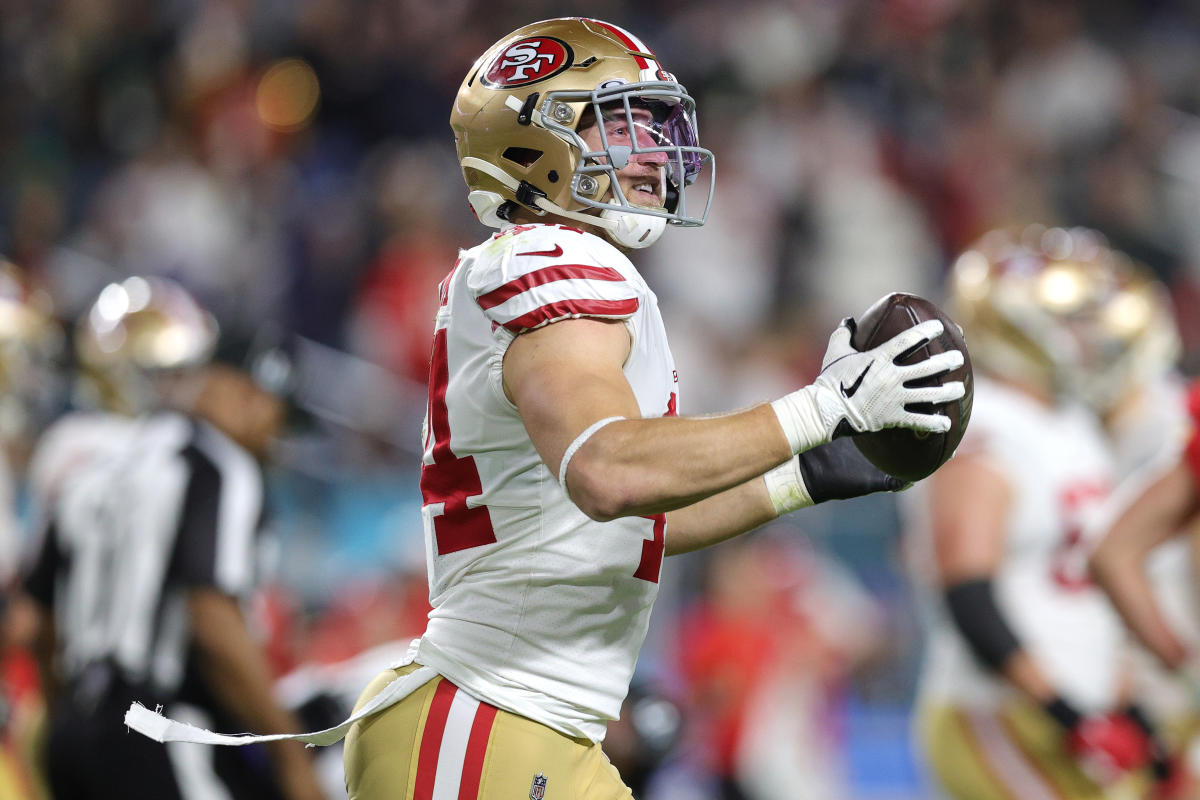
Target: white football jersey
point(1060, 470)
point(71, 443)
point(537, 609)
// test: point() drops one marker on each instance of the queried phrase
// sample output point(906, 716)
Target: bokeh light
point(287, 95)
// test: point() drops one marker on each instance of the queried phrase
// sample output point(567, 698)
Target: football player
point(147, 549)
point(1021, 693)
point(1158, 505)
point(556, 473)
point(1146, 428)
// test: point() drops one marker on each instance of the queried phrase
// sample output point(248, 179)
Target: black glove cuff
point(1062, 712)
point(973, 608)
point(838, 471)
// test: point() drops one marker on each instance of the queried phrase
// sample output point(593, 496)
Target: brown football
point(907, 454)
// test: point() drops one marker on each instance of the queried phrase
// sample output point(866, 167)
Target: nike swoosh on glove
point(868, 391)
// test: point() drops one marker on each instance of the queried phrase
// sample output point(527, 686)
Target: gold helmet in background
point(518, 112)
point(1060, 309)
point(136, 329)
point(30, 342)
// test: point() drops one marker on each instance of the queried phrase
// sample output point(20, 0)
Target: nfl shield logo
point(538, 790)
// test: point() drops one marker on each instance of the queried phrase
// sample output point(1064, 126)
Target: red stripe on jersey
point(431, 739)
point(539, 277)
point(627, 40)
point(570, 308)
point(477, 742)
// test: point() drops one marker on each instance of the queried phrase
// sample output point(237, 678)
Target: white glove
point(861, 392)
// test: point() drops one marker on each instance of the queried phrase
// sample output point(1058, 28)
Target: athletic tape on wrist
point(580, 440)
point(785, 486)
point(801, 420)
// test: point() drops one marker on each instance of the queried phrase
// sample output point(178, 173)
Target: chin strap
point(540, 202)
point(633, 230)
point(628, 229)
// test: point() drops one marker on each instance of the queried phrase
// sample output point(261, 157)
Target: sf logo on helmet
point(528, 61)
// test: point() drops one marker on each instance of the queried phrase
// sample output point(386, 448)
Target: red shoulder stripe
point(558, 272)
point(568, 308)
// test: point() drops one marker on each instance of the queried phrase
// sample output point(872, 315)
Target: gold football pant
point(439, 743)
point(1012, 753)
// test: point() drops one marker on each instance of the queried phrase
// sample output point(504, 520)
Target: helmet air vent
point(525, 156)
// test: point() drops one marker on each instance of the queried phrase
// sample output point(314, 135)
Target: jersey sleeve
point(1191, 452)
point(540, 277)
point(217, 537)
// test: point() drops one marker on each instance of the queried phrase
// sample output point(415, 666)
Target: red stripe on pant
point(477, 738)
point(481, 732)
point(431, 739)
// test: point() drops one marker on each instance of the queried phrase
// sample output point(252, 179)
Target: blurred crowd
point(290, 163)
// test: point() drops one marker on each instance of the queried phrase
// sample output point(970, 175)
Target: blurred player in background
point(1147, 428)
point(556, 475)
point(1023, 691)
point(30, 343)
point(148, 548)
point(1158, 506)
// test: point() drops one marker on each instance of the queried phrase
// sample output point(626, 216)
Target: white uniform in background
point(1060, 471)
point(537, 609)
point(68, 445)
point(1151, 427)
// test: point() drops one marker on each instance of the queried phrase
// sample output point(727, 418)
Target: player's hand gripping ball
point(901, 452)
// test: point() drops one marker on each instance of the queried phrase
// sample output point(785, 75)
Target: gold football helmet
point(517, 121)
point(1062, 310)
point(30, 342)
point(136, 329)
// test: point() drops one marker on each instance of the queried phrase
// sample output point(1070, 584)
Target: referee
point(147, 555)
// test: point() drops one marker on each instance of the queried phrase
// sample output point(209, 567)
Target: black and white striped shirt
point(137, 514)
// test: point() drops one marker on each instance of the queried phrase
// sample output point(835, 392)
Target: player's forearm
point(236, 672)
point(719, 517)
point(1158, 512)
point(649, 466)
point(1127, 586)
point(1023, 672)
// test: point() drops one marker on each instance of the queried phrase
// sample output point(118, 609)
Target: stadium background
point(291, 164)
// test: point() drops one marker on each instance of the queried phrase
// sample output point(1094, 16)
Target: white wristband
point(800, 417)
point(785, 486)
point(574, 446)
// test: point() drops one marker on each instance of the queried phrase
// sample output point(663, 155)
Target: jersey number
point(1069, 562)
point(652, 549)
point(452, 480)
